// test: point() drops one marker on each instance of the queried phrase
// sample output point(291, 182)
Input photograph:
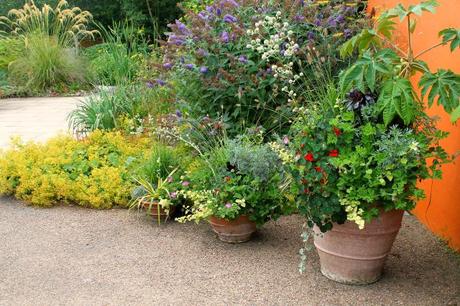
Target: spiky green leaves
point(397, 99)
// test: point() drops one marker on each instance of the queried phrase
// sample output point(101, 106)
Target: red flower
point(334, 153)
point(306, 190)
point(337, 131)
point(318, 169)
point(309, 157)
point(304, 181)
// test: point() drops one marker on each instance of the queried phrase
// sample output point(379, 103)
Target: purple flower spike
point(230, 19)
point(299, 18)
point(173, 195)
point(243, 59)
point(182, 28)
point(149, 84)
point(218, 12)
point(204, 69)
point(229, 205)
point(167, 65)
point(224, 37)
point(189, 66)
point(348, 33)
point(332, 22)
point(160, 82)
point(178, 114)
point(185, 183)
point(231, 2)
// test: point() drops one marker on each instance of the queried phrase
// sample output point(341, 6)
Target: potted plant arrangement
point(158, 185)
point(360, 152)
point(237, 187)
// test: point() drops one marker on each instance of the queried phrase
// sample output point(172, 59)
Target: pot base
point(233, 231)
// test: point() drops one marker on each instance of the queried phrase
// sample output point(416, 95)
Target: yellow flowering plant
point(95, 172)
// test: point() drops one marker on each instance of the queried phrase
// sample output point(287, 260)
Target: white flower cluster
point(354, 213)
point(270, 47)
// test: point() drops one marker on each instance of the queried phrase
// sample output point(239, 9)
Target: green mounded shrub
point(45, 65)
point(96, 172)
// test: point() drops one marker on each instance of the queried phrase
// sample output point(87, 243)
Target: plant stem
point(432, 47)
point(409, 51)
point(394, 46)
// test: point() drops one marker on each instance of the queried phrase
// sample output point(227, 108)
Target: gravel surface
point(70, 255)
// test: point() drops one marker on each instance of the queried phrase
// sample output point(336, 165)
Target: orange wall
point(441, 210)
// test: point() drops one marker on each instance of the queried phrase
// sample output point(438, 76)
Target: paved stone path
point(34, 118)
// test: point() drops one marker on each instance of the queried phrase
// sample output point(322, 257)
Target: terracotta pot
point(353, 256)
point(152, 210)
point(233, 231)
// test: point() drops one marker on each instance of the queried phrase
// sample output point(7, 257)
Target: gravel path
point(34, 118)
point(75, 256)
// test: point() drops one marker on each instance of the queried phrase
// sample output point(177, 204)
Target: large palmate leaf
point(361, 41)
point(366, 72)
point(402, 12)
point(443, 85)
point(451, 35)
point(397, 99)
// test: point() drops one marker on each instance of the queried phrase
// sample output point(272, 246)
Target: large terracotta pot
point(353, 256)
point(157, 213)
point(233, 231)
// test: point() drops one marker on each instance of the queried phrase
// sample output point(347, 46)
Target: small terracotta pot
point(152, 210)
point(233, 231)
point(353, 256)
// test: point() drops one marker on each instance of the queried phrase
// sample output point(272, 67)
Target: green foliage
point(258, 59)
point(451, 35)
point(234, 179)
point(118, 60)
point(10, 50)
point(104, 110)
point(390, 67)
point(162, 161)
point(443, 86)
point(44, 65)
point(196, 5)
point(350, 165)
point(150, 14)
point(96, 172)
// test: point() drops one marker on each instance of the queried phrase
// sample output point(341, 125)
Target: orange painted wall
point(441, 210)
